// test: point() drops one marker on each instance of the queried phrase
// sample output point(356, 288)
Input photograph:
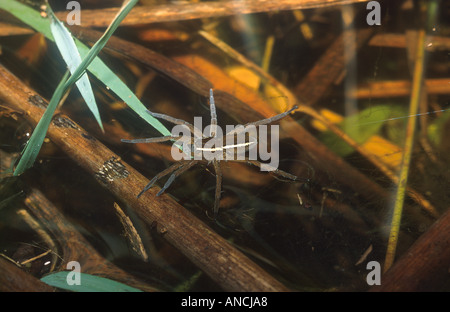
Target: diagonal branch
point(189, 11)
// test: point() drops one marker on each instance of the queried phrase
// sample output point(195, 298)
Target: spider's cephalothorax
point(224, 151)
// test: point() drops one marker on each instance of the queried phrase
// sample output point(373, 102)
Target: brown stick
point(400, 88)
point(74, 246)
point(180, 73)
point(186, 76)
point(14, 279)
point(331, 65)
point(11, 30)
point(399, 41)
point(213, 254)
point(425, 265)
point(168, 13)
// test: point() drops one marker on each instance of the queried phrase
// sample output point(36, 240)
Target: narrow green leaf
point(29, 16)
point(37, 138)
point(97, 67)
point(34, 144)
point(71, 56)
point(88, 283)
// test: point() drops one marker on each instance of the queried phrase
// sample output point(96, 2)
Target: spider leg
point(195, 131)
point(163, 173)
point(265, 121)
point(177, 173)
point(272, 119)
point(276, 172)
point(218, 170)
point(212, 108)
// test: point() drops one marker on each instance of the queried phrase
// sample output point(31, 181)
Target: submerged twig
point(399, 41)
point(14, 279)
point(34, 224)
point(387, 89)
point(131, 233)
point(195, 10)
point(74, 247)
point(331, 65)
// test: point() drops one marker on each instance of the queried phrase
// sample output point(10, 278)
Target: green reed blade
point(34, 144)
point(33, 18)
point(37, 138)
point(87, 283)
point(416, 93)
point(71, 56)
point(90, 61)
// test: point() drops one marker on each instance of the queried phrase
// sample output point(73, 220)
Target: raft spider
point(181, 166)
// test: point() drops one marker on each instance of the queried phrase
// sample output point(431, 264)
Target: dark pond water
point(316, 235)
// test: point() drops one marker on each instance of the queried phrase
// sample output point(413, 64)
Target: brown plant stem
point(331, 65)
point(401, 88)
point(74, 246)
point(417, 86)
point(189, 11)
point(14, 279)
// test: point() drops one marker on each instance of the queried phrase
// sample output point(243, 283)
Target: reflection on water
point(353, 85)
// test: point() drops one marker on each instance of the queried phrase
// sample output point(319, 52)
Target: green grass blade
point(97, 67)
point(418, 78)
point(98, 46)
point(88, 283)
point(33, 18)
point(29, 16)
point(37, 138)
point(71, 56)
